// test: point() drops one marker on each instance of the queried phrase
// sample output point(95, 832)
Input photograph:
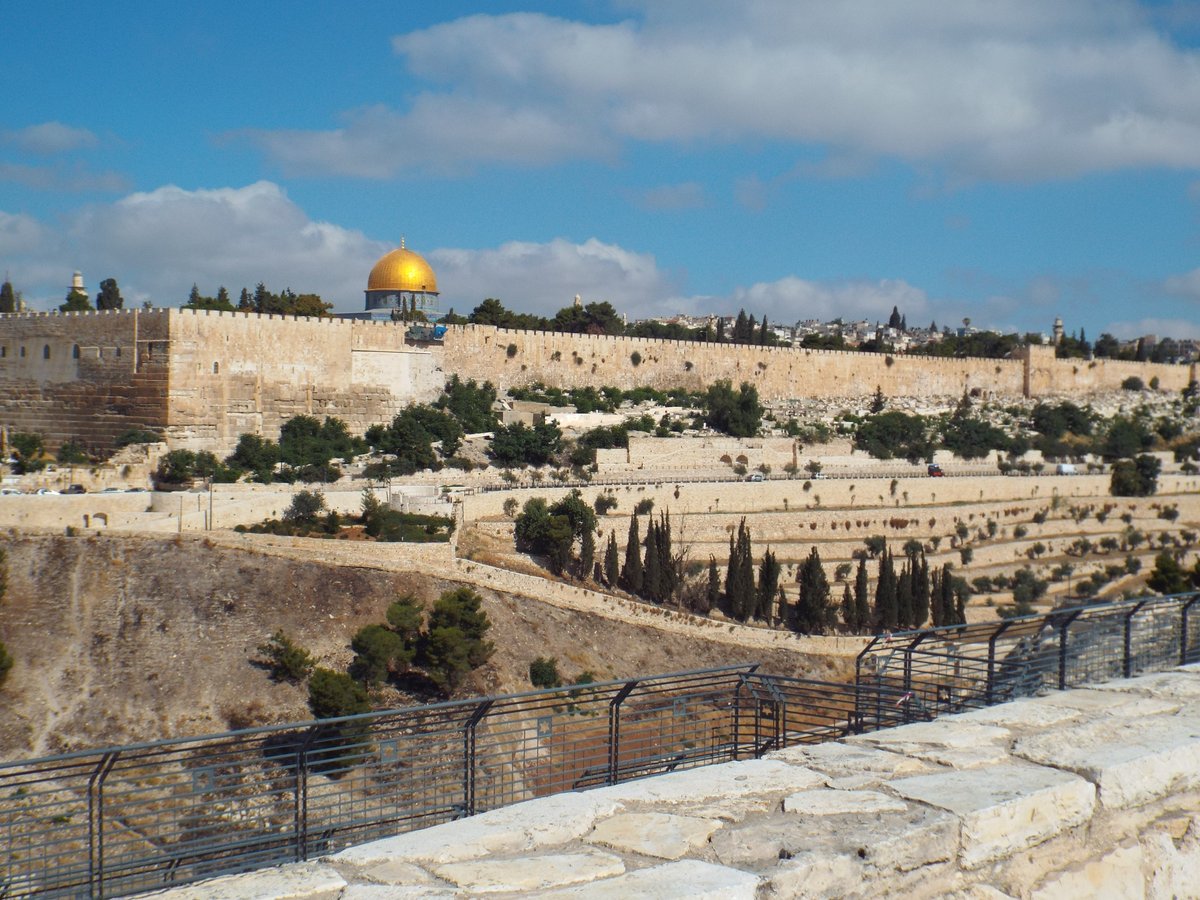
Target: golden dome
point(402, 270)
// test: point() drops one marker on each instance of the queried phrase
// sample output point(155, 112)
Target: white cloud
point(792, 299)
point(48, 138)
point(1186, 285)
point(544, 277)
point(1022, 90)
point(1176, 328)
point(159, 242)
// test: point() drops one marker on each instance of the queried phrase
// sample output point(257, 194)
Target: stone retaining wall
point(1085, 793)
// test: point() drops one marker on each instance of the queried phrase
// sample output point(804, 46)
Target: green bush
point(305, 507)
point(543, 673)
point(6, 664)
point(285, 660)
point(332, 694)
point(377, 651)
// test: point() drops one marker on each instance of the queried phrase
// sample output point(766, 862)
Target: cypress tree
point(862, 603)
point(848, 611)
point(885, 594)
point(920, 592)
point(739, 578)
point(768, 585)
point(8, 299)
point(612, 565)
point(762, 332)
point(587, 553)
point(935, 601)
point(712, 596)
point(904, 597)
point(781, 616)
point(814, 612)
point(631, 573)
point(668, 566)
point(651, 573)
point(739, 327)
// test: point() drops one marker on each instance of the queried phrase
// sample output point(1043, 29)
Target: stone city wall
point(204, 377)
point(83, 376)
point(237, 372)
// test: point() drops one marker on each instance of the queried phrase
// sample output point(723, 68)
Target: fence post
point(96, 823)
point(614, 729)
point(1062, 648)
point(1183, 630)
point(991, 669)
point(1126, 659)
point(469, 747)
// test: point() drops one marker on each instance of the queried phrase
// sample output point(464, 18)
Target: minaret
point(77, 284)
point(1058, 330)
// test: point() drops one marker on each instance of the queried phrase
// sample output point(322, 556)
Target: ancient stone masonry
point(204, 377)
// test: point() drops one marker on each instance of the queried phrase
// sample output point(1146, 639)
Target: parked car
point(1066, 469)
point(42, 491)
point(76, 489)
point(8, 492)
point(756, 476)
point(935, 471)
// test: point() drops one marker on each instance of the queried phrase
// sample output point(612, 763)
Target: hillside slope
point(125, 638)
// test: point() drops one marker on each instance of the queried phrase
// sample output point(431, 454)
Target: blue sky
point(1006, 161)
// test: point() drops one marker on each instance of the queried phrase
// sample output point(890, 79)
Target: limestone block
point(1173, 871)
point(886, 841)
point(727, 781)
point(390, 872)
point(654, 834)
point(1022, 715)
point(531, 873)
point(302, 881)
point(1115, 876)
point(523, 826)
point(1005, 808)
point(1095, 702)
point(836, 803)
point(1183, 686)
point(1131, 761)
point(817, 876)
point(689, 878)
point(850, 766)
point(941, 734)
point(400, 892)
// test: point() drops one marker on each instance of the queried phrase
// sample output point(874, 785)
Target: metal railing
point(127, 819)
point(959, 667)
point(136, 818)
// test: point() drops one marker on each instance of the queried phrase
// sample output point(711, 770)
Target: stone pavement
point(1085, 793)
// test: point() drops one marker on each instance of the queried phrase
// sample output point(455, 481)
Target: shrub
point(305, 507)
point(635, 358)
point(543, 673)
point(377, 650)
point(965, 554)
point(6, 664)
point(1133, 383)
point(332, 694)
point(511, 351)
point(1135, 477)
point(285, 660)
point(511, 506)
point(137, 436)
point(603, 503)
point(643, 506)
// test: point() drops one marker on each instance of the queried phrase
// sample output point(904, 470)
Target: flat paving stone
point(817, 876)
point(726, 782)
point(1116, 876)
point(1004, 809)
point(690, 878)
point(302, 881)
point(1092, 701)
point(852, 766)
point(524, 826)
point(836, 803)
point(400, 892)
point(1131, 761)
point(1163, 686)
point(940, 734)
point(531, 873)
point(661, 835)
point(1022, 715)
point(390, 872)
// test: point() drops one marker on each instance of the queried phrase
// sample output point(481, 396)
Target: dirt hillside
point(121, 639)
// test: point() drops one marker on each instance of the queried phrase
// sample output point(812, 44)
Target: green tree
point(377, 651)
point(712, 593)
point(886, 610)
point(587, 553)
point(740, 594)
point(518, 444)
point(455, 643)
point(612, 561)
point(862, 603)
point(768, 585)
point(8, 299)
point(814, 612)
point(895, 434)
point(332, 694)
point(110, 295)
point(1135, 477)
point(1168, 576)
point(72, 453)
point(75, 302)
point(631, 571)
point(737, 414)
point(6, 660)
point(404, 617)
point(286, 660)
point(304, 508)
point(177, 467)
point(471, 404)
point(28, 449)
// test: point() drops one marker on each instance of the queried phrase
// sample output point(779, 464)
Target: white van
point(1066, 469)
